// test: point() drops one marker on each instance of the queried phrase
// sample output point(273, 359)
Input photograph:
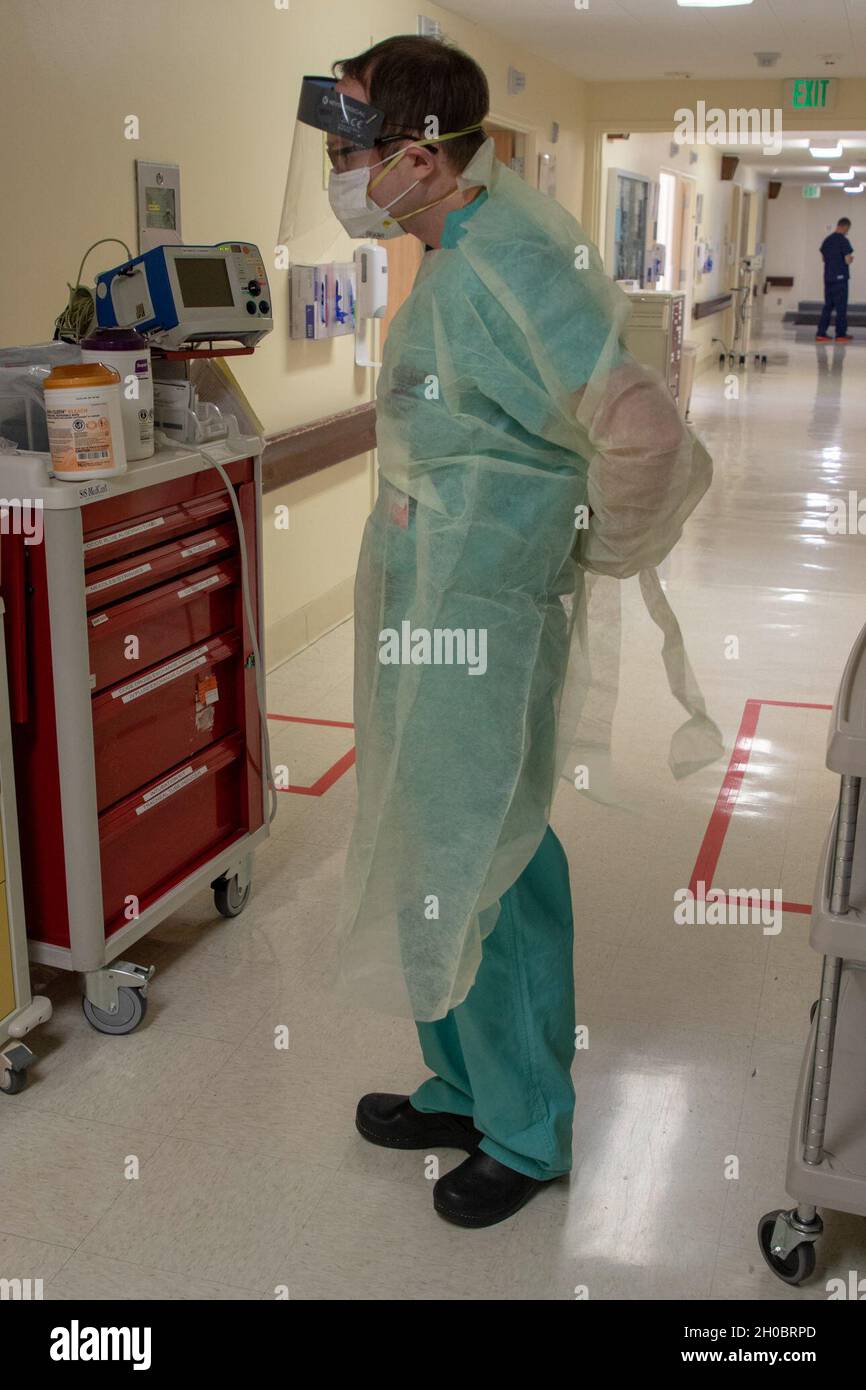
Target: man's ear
point(423, 161)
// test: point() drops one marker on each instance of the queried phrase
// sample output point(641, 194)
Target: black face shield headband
point(324, 108)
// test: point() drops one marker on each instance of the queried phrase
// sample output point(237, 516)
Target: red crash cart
point(134, 694)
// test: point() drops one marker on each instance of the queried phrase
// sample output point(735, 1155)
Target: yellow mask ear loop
point(419, 145)
point(392, 164)
point(404, 216)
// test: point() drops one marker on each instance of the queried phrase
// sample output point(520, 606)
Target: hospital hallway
point(252, 1174)
point(432, 674)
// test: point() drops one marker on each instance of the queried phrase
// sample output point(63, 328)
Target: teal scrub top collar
point(455, 222)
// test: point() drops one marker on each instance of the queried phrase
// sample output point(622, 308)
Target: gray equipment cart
point(827, 1148)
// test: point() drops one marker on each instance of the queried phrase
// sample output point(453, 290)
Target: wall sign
point(811, 93)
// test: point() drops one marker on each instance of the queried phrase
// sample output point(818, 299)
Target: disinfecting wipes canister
point(128, 353)
point(85, 429)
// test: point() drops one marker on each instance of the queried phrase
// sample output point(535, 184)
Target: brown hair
point(412, 78)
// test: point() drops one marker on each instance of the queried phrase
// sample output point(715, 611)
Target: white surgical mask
point(352, 205)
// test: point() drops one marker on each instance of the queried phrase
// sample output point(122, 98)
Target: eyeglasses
point(342, 156)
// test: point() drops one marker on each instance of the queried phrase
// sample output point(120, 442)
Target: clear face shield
point(339, 156)
point(334, 144)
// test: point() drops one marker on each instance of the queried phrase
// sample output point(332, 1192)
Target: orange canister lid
point(73, 374)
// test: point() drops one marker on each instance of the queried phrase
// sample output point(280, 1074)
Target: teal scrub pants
point(504, 1055)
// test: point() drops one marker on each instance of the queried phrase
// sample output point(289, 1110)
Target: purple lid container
point(114, 340)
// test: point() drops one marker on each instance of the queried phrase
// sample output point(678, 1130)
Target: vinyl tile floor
point(199, 1158)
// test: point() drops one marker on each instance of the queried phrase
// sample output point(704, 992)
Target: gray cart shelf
point(827, 1148)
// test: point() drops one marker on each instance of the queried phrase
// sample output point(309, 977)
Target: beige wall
point(215, 84)
point(647, 105)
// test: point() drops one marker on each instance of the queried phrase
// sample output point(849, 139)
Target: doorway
point(510, 146)
point(677, 231)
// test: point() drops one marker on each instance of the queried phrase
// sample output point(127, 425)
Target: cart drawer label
point(100, 618)
point(197, 549)
point(117, 579)
point(157, 681)
point(183, 774)
point(122, 535)
point(179, 666)
point(202, 584)
point(178, 783)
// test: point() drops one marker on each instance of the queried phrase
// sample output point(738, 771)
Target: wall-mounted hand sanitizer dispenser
point(371, 296)
point(371, 263)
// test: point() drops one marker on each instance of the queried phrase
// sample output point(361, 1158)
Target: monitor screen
point(204, 282)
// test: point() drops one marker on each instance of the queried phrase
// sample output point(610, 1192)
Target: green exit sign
point(811, 93)
point(812, 190)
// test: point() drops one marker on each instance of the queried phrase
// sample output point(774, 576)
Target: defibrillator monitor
point(189, 294)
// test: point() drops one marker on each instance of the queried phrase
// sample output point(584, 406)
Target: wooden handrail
point(712, 306)
point(311, 448)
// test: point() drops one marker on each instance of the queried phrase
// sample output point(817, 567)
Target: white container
point(82, 414)
point(128, 353)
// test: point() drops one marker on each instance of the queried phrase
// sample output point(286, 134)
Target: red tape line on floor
point(726, 802)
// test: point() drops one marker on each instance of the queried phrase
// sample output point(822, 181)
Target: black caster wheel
point(795, 1267)
point(230, 899)
point(742, 359)
point(721, 359)
point(12, 1083)
point(131, 1009)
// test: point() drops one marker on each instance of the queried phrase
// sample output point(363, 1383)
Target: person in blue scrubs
point(838, 253)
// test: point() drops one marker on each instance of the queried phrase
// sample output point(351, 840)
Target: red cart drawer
point(123, 509)
point(114, 542)
point(153, 840)
point(163, 621)
point(108, 583)
point(164, 716)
